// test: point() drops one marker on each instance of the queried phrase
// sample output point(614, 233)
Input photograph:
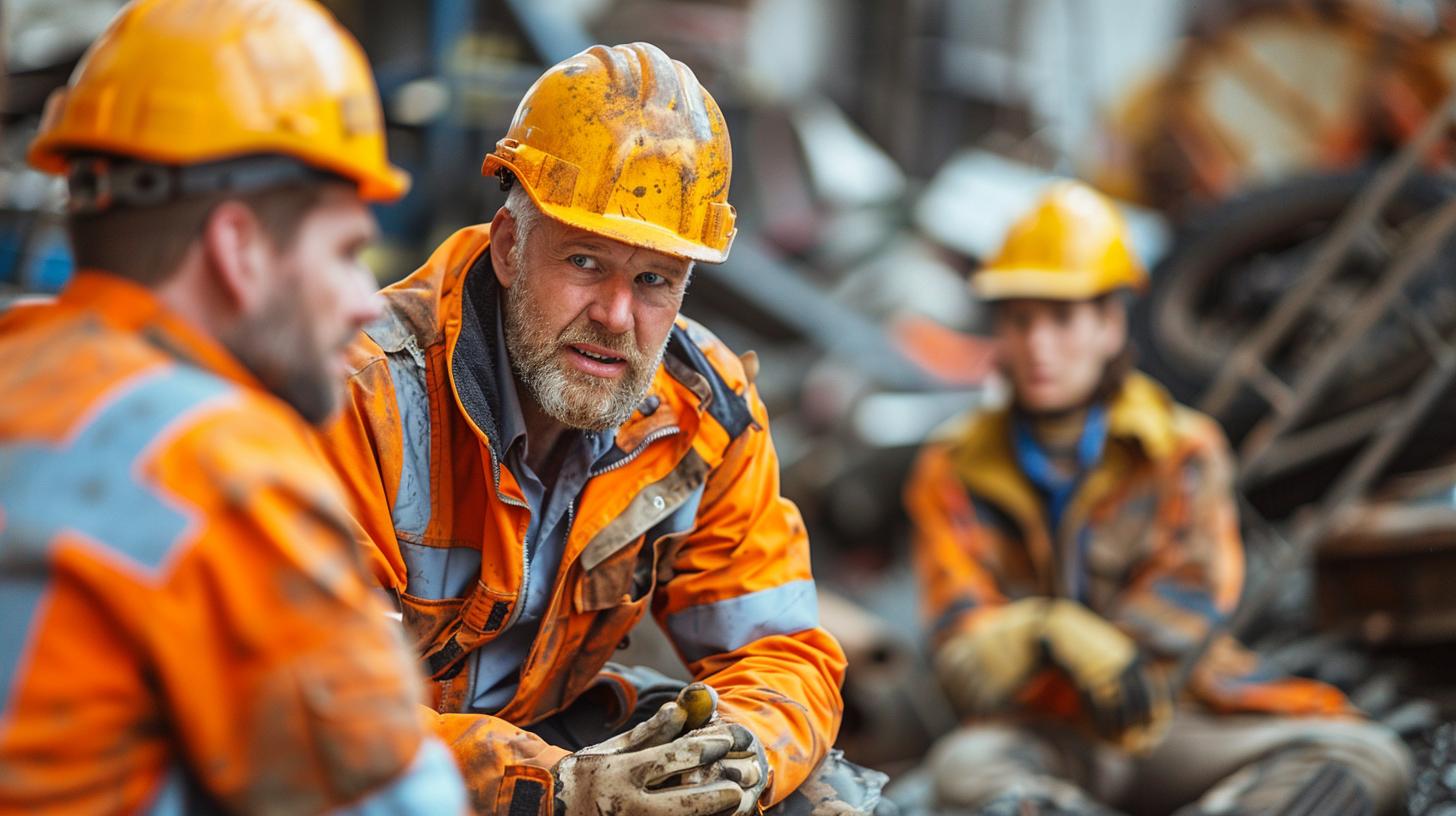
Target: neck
point(1060, 430)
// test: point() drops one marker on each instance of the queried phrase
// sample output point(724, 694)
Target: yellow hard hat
point(1073, 246)
point(177, 82)
point(623, 142)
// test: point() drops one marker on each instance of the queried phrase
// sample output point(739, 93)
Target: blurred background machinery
point(1286, 166)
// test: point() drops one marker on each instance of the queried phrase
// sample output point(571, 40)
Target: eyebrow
point(597, 246)
point(585, 243)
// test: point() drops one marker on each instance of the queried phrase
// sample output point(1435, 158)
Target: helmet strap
point(101, 183)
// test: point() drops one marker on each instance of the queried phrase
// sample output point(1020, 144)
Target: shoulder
point(975, 436)
point(417, 306)
point(249, 441)
point(722, 380)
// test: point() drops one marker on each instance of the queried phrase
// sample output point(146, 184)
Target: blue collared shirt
point(496, 673)
point(1056, 488)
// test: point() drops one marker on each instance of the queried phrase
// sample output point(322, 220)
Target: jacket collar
point(473, 358)
point(1141, 414)
point(133, 308)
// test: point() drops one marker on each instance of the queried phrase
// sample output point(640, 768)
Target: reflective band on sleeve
point(411, 510)
point(431, 785)
point(732, 623)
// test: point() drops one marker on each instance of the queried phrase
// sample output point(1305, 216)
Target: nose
point(363, 302)
point(611, 305)
point(1040, 340)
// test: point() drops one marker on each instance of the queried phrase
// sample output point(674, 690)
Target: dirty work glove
point(745, 765)
point(653, 770)
point(983, 668)
point(1129, 699)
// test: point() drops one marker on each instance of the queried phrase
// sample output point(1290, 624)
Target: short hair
point(147, 244)
point(526, 215)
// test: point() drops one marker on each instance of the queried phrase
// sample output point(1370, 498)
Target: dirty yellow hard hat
point(1073, 245)
point(178, 83)
point(623, 142)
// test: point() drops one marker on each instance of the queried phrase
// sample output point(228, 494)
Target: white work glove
point(657, 770)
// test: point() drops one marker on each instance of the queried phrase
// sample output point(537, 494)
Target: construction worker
point(1074, 547)
point(542, 449)
point(185, 624)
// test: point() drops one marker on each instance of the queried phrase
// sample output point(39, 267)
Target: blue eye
point(582, 262)
point(652, 279)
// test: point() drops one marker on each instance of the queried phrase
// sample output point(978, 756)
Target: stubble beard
point(276, 348)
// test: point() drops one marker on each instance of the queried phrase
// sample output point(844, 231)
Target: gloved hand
point(1129, 698)
point(746, 764)
point(656, 769)
point(981, 669)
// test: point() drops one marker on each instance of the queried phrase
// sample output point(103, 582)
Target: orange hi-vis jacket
point(1149, 541)
point(184, 620)
point(683, 516)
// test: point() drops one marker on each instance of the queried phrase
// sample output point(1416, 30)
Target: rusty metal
point(1264, 91)
point(1246, 365)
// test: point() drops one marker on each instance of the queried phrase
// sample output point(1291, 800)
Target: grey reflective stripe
point(172, 795)
point(430, 785)
point(437, 573)
point(22, 594)
point(92, 485)
point(411, 510)
point(732, 623)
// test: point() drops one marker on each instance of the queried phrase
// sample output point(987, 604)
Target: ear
point(237, 255)
point(502, 241)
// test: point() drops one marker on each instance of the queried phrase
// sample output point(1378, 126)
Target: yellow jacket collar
point(1142, 412)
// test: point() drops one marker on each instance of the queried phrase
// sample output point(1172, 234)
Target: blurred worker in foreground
point(185, 624)
point(542, 449)
point(1076, 546)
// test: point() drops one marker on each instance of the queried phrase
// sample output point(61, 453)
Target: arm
point(985, 646)
point(950, 548)
point(741, 609)
point(1191, 580)
point(499, 760)
point(288, 688)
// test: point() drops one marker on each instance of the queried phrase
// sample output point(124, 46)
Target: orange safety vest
point(184, 620)
point(1150, 537)
point(683, 517)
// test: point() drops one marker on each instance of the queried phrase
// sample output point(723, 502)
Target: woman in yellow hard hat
point(1076, 545)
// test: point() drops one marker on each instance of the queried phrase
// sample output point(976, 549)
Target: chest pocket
point(621, 561)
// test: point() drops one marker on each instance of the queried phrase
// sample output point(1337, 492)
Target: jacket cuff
point(526, 790)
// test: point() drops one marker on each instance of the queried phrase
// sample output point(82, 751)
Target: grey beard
point(560, 395)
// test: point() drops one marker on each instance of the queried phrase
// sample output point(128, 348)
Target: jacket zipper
point(660, 433)
point(516, 607)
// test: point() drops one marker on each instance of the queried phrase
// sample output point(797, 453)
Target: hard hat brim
point(635, 233)
point(1044, 284)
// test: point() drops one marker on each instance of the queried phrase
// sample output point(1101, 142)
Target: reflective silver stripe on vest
point(732, 623)
point(411, 510)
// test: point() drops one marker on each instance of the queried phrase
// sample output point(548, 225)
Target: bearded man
point(542, 449)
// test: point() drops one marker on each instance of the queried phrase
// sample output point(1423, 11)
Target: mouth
point(597, 360)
